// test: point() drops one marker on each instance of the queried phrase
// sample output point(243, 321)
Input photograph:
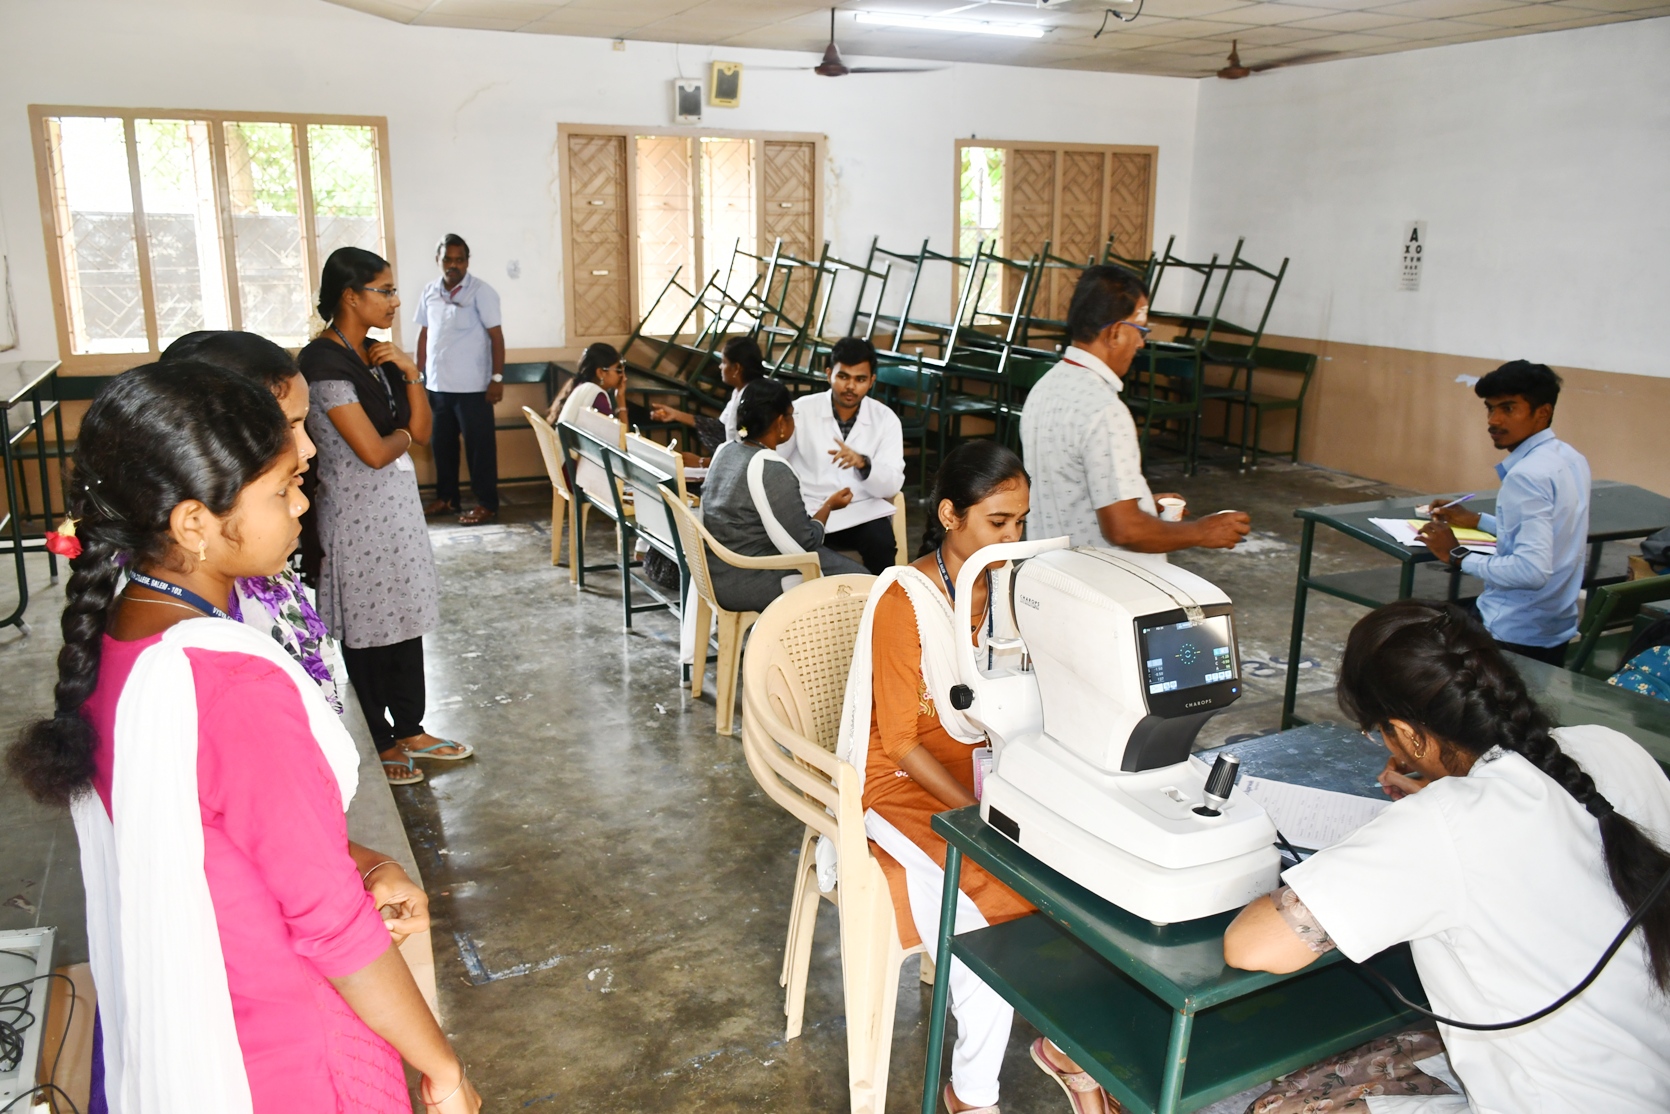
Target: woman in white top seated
point(1513, 855)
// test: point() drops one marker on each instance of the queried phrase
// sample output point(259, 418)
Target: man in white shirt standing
point(1081, 445)
point(461, 351)
point(844, 438)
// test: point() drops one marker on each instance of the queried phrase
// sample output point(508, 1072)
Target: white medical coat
point(876, 434)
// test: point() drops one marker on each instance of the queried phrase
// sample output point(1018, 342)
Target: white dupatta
point(170, 1041)
point(941, 670)
point(774, 529)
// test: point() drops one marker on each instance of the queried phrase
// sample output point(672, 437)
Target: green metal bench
point(1607, 625)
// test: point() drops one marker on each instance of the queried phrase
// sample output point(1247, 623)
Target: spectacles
point(1143, 329)
point(388, 293)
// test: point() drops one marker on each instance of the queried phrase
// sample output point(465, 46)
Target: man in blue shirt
point(1529, 603)
point(460, 349)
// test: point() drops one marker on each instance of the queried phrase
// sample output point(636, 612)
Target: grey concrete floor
point(610, 887)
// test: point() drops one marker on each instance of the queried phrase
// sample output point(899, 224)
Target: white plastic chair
point(563, 511)
point(697, 543)
point(794, 679)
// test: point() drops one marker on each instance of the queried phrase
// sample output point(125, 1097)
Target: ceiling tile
point(396, 10)
point(1179, 37)
point(1524, 15)
point(467, 22)
point(1444, 9)
point(1351, 21)
point(1265, 14)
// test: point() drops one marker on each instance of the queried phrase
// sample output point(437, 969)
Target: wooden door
point(598, 237)
point(666, 229)
point(1078, 228)
point(1029, 216)
point(788, 209)
point(1131, 203)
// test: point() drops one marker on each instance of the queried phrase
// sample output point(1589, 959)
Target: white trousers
point(983, 1017)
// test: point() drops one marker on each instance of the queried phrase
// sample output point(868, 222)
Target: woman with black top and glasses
point(378, 591)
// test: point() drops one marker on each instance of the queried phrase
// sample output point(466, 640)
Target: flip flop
point(1082, 1091)
point(950, 1095)
point(412, 776)
point(465, 750)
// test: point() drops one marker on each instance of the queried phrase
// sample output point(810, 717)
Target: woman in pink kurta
point(238, 939)
point(288, 900)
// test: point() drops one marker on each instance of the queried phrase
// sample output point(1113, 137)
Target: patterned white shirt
point(1081, 449)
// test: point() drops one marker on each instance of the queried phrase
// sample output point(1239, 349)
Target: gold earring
point(202, 551)
point(1422, 752)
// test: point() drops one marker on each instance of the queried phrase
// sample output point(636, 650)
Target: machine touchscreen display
point(1185, 655)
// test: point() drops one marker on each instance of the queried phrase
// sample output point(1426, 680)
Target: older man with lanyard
point(461, 349)
point(1081, 445)
point(1531, 582)
point(844, 438)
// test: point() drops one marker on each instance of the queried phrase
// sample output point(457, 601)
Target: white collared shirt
point(876, 435)
point(1081, 449)
point(460, 354)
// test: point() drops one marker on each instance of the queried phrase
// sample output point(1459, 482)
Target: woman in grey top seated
point(751, 503)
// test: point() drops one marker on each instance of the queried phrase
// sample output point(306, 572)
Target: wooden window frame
point(104, 363)
point(820, 145)
point(1107, 150)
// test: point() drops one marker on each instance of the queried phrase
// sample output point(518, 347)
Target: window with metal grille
point(168, 222)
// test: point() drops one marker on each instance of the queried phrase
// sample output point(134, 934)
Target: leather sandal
point(439, 506)
point(477, 516)
point(951, 1099)
point(1084, 1093)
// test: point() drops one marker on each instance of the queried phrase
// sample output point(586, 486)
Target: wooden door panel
point(598, 271)
point(1130, 195)
point(1078, 234)
point(788, 196)
point(1029, 217)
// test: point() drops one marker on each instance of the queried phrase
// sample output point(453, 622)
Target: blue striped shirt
point(1542, 530)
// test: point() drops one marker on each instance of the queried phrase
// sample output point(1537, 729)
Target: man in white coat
point(844, 438)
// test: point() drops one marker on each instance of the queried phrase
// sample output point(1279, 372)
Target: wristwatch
point(1458, 554)
point(498, 379)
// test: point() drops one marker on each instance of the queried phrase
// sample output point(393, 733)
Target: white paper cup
point(1171, 510)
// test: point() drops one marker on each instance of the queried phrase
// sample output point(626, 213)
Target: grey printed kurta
point(377, 585)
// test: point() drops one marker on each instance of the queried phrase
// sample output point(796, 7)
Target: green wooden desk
point(1577, 698)
point(1617, 512)
point(28, 393)
point(1152, 1013)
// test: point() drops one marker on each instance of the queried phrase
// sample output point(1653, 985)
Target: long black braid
point(1435, 668)
point(156, 437)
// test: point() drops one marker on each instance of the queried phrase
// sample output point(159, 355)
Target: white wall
point(1541, 165)
point(473, 121)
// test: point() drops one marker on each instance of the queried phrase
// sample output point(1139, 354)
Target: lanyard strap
point(184, 595)
point(362, 362)
point(951, 590)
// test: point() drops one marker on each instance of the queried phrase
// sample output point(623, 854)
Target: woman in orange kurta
point(915, 766)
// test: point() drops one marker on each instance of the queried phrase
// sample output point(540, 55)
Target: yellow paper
point(1462, 534)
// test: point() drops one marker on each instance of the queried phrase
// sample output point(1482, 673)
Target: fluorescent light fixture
point(951, 25)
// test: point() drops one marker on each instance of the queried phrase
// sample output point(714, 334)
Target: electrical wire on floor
point(15, 1021)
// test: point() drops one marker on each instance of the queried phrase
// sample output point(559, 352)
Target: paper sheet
point(1403, 531)
point(1311, 818)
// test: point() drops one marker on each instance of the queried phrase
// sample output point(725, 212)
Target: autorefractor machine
point(1100, 671)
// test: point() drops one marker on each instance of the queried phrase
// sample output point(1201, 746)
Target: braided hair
point(1432, 666)
point(156, 437)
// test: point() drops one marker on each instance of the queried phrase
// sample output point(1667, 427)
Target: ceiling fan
point(833, 66)
point(1235, 70)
